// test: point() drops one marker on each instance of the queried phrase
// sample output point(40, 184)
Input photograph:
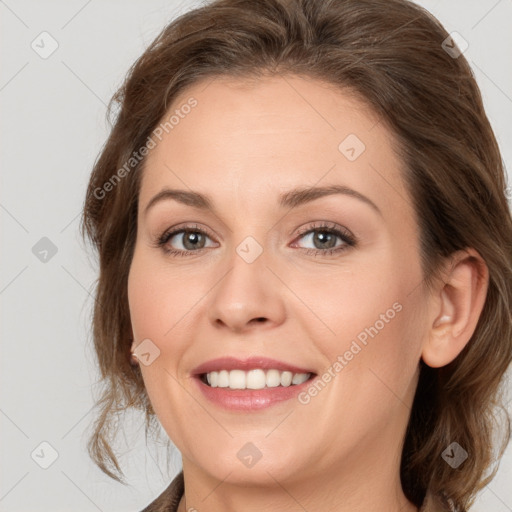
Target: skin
point(244, 144)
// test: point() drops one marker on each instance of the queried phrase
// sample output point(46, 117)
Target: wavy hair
point(392, 56)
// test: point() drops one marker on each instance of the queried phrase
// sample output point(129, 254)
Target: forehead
point(251, 138)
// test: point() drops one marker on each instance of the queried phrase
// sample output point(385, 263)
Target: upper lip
point(251, 363)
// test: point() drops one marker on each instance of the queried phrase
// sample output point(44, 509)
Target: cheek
point(156, 299)
point(382, 354)
point(342, 303)
point(371, 324)
point(146, 305)
point(152, 303)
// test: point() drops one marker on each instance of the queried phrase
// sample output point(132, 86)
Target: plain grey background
point(52, 128)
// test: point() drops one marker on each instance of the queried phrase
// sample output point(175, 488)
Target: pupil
point(191, 239)
point(323, 236)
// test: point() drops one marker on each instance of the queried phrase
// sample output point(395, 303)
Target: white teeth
point(254, 379)
point(223, 381)
point(299, 378)
point(286, 378)
point(237, 379)
point(273, 378)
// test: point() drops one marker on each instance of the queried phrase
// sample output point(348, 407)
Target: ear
point(458, 303)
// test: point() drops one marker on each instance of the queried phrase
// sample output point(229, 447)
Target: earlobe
point(459, 303)
point(133, 358)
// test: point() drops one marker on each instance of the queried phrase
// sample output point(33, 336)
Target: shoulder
point(169, 499)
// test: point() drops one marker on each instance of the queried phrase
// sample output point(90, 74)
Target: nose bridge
point(246, 292)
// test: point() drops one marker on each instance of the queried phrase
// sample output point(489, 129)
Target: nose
point(248, 296)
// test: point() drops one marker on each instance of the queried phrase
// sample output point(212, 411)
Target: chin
point(244, 462)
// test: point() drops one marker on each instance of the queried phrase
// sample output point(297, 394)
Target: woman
point(305, 258)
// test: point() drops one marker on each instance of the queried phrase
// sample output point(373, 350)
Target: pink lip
point(248, 399)
point(231, 363)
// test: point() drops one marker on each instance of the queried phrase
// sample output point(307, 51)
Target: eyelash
point(348, 239)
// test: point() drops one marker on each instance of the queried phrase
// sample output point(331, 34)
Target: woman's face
point(283, 274)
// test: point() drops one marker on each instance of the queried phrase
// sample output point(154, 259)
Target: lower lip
point(250, 399)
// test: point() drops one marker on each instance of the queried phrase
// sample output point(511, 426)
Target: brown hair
point(390, 54)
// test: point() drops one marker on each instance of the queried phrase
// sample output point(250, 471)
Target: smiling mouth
point(257, 378)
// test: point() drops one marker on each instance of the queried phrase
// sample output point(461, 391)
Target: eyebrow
point(289, 199)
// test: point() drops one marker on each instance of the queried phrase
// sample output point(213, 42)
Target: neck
point(371, 487)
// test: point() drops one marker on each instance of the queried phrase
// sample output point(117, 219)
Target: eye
point(188, 239)
point(327, 239)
